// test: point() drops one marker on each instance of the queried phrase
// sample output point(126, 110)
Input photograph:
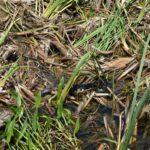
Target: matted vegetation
point(74, 74)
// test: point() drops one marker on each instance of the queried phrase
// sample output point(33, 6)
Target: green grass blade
point(139, 76)
point(77, 126)
point(5, 33)
point(35, 118)
point(110, 140)
point(10, 130)
point(142, 12)
point(108, 34)
point(88, 37)
point(17, 97)
point(136, 108)
point(22, 132)
point(54, 7)
point(10, 72)
point(59, 101)
point(29, 141)
point(132, 122)
point(74, 75)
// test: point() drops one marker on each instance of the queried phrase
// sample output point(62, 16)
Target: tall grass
point(106, 36)
point(72, 79)
point(32, 130)
point(136, 106)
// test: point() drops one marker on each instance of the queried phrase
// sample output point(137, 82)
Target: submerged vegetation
point(74, 74)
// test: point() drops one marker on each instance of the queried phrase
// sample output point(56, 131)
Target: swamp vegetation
point(74, 74)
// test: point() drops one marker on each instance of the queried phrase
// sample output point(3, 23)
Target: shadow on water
point(143, 142)
point(92, 128)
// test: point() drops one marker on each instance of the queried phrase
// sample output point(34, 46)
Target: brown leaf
point(118, 63)
point(41, 53)
point(27, 94)
point(61, 47)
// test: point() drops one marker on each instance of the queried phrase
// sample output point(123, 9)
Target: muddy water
point(92, 128)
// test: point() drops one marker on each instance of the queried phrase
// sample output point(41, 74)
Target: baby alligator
point(100, 85)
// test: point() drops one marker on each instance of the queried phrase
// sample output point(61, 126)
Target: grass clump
point(55, 7)
point(136, 106)
point(65, 91)
point(107, 35)
point(32, 130)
